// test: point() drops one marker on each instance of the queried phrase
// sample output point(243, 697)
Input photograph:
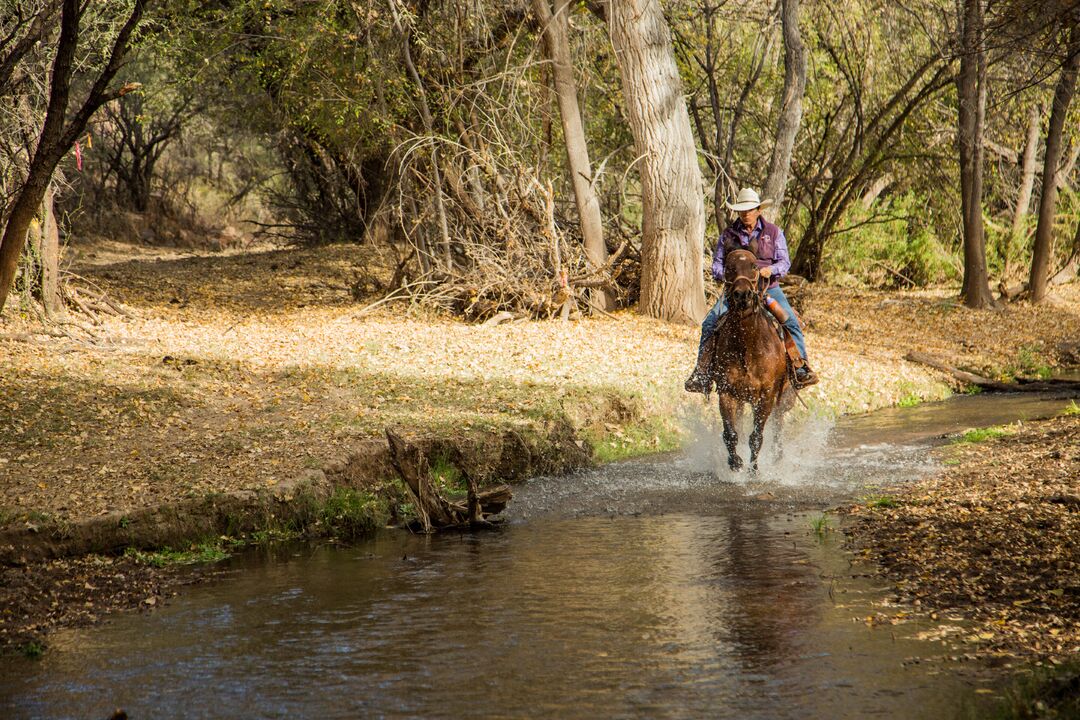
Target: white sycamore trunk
point(673, 225)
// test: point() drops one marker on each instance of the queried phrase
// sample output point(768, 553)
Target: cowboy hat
point(747, 200)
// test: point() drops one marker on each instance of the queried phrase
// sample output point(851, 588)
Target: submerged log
point(1021, 384)
point(434, 511)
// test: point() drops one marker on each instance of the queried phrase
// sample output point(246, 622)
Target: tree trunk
point(1027, 171)
point(791, 108)
point(429, 129)
point(1044, 233)
point(1072, 265)
point(556, 31)
point(971, 92)
point(57, 134)
point(1027, 183)
point(673, 225)
point(48, 251)
point(1067, 167)
point(47, 154)
point(876, 188)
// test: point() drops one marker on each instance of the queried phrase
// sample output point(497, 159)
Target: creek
point(648, 588)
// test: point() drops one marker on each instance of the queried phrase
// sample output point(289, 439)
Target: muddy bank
point(994, 540)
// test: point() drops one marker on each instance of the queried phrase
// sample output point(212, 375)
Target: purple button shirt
point(779, 268)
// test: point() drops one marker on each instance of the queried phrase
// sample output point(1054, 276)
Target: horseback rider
point(752, 232)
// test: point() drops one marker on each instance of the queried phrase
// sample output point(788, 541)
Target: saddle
point(795, 361)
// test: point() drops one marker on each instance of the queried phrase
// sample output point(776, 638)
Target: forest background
point(537, 157)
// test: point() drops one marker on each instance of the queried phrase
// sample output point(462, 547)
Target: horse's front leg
point(762, 409)
point(729, 412)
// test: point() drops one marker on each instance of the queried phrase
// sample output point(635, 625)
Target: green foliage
point(1030, 361)
point(644, 438)
point(1073, 410)
point(33, 649)
point(447, 477)
point(910, 400)
point(891, 246)
point(821, 525)
point(350, 514)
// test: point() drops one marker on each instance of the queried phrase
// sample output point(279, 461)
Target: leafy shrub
point(890, 246)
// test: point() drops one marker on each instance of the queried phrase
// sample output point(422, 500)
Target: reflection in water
point(674, 616)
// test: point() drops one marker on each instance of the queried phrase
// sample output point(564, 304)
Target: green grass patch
point(633, 440)
point(821, 525)
point(350, 514)
point(1073, 410)
point(447, 477)
point(909, 400)
point(880, 501)
point(978, 435)
point(1030, 362)
point(33, 650)
point(202, 552)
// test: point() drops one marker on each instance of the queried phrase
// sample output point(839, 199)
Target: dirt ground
point(237, 369)
point(993, 542)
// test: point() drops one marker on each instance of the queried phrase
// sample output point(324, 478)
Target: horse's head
point(741, 276)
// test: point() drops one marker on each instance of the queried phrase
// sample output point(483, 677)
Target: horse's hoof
point(735, 463)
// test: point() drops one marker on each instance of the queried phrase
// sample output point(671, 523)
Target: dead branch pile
point(508, 246)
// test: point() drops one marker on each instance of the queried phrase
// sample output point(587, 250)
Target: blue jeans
point(792, 325)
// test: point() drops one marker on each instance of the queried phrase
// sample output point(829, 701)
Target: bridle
point(757, 282)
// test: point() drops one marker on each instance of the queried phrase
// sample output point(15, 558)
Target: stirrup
point(809, 377)
point(698, 382)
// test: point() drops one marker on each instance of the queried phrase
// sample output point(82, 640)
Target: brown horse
point(749, 362)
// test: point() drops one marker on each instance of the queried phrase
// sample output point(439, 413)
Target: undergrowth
point(653, 435)
point(201, 552)
point(880, 501)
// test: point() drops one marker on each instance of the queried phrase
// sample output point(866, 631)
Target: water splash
point(800, 457)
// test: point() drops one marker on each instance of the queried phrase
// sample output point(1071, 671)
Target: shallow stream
point(646, 589)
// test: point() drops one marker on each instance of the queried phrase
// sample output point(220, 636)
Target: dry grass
point(240, 369)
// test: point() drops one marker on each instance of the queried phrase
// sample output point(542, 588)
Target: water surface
point(647, 589)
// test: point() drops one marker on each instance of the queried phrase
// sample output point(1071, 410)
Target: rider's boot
point(804, 376)
point(699, 380)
